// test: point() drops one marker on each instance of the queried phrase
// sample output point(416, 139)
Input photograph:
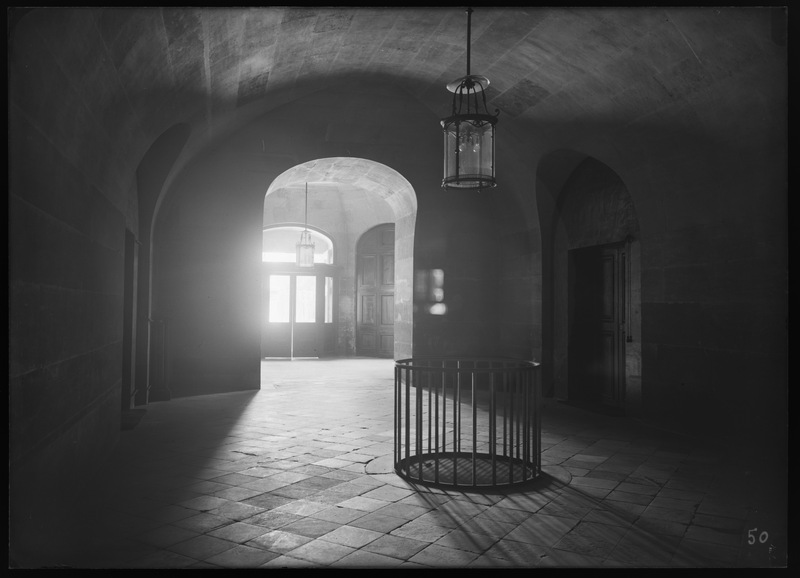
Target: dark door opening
point(375, 293)
point(597, 326)
point(128, 397)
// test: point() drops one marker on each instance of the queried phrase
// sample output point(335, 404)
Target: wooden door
point(375, 293)
point(597, 330)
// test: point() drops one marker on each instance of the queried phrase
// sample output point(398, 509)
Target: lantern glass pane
point(469, 154)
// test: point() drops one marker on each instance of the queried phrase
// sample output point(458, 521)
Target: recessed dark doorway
point(597, 326)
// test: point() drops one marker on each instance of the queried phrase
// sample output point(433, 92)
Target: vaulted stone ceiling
point(138, 71)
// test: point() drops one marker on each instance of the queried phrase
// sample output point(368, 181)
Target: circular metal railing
point(467, 422)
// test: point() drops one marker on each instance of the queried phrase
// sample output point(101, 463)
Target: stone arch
point(351, 195)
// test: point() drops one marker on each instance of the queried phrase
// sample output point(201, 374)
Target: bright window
point(328, 299)
point(279, 298)
point(306, 310)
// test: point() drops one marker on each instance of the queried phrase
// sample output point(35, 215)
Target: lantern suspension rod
point(305, 224)
point(469, 34)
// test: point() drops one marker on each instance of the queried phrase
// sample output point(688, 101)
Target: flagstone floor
point(298, 474)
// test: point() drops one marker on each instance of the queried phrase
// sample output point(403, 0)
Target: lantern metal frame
point(470, 126)
point(305, 248)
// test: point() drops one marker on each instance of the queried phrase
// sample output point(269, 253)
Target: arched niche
point(592, 226)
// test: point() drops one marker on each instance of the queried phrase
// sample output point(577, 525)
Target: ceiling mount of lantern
point(469, 132)
point(305, 248)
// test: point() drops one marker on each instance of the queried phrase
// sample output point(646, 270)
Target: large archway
point(346, 198)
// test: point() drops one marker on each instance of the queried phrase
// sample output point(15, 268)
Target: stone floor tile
point(487, 526)
point(310, 527)
point(388, 493)
point(265, 484)
point(235, 510)
point(630, 498)
point(237, 494)
point(202, 547)
point(338, 514)
point(555, 558)
point(239, 532)
point(301, 507)
point(351, 536)
point(267, 501)
point(160, 560)
point(500, 513)
point(242, 556)
point(378, 521)
point(289, 562)
point(365, 504)
point(680, 516)
point(591, 540)
point(204, 503)
point(272, 519)
point(660, 526)
point(279, 541)
point(322, 552)
point(594, 482)
point(674, 504)
point(472, 542)
point(202, 523)
point(434, 555)
point(645, 549)
point(167, 536)
point(396, 546)
point(363, 559)
point(714, 536)
point(421, 531)
point(486, 561)
point(542, 530)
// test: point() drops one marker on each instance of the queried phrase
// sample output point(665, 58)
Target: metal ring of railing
point(467, 422)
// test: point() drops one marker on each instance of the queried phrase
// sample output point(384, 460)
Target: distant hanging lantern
point(305, 248)
point(469, 132)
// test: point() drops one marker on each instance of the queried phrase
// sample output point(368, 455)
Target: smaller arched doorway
point(594, 293)
point(298, 302)
point(375, 279)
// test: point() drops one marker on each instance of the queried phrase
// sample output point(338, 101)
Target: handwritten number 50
point(762, 537)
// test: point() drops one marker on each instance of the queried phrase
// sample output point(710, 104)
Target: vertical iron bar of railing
point(538, 410)
point(397, 424)
point(511, 430)
point(525, 428)
point(408, 418)
point(505, 416)
point(517, 447)
point(430, 407)
point(474, 431)
point(436, 431)
point(418, 420)
point(444, 411)
point(492, 429)
point(457, 427)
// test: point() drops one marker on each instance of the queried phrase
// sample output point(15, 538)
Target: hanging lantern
point(305, 248)
point(469, 132)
